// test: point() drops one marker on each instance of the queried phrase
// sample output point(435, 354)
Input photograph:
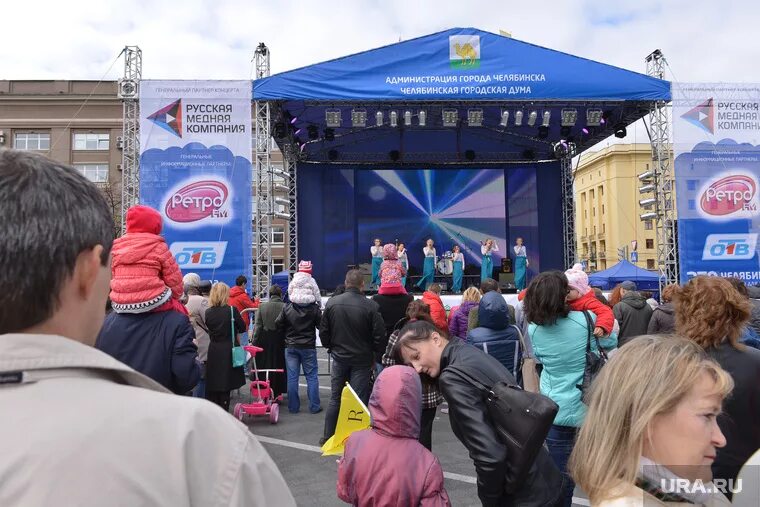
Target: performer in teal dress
point(521, 265)
point(404, 260)
point(377, 260)
point(428, 268)
point(456, 285)
point(486, 268)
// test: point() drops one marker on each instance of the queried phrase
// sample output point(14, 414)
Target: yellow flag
point(353, 416)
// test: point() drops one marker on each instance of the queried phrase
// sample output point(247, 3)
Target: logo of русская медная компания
point(169, 118)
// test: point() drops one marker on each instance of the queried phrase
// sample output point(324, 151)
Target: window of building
point(691, 185)
point(600, 172)
point(278, 235)
point(585, 213)
point(91, 141)
point(692, 204)
point(650, 244)
point(278, 265)
point(604, 228)
point(650, 263)
point(602, 209)
point(594, 211)
point(648, 225)
point(31, 141)
point(97, 173)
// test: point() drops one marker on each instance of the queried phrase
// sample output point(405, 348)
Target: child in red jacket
point(581, 297)
point(144, 275)
point(432, 298)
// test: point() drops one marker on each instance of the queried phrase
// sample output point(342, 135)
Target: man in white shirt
point(77, 426)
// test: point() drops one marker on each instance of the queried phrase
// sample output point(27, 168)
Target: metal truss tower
point(663, 180)
point(290, 158)
point(263, 182)
point(128, 92)
point(568, 212)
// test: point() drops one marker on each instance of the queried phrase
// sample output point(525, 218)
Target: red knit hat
point(143, 219)
point(304, 267)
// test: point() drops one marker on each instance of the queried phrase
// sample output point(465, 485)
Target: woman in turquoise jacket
point(559, 340)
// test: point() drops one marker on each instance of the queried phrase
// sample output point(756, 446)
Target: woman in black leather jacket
point(423, 347)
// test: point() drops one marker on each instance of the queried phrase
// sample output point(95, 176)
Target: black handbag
point(594, 363)
point(521, 419)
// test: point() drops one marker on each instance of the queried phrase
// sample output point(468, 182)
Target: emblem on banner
point(169, 118)
point(205, 200)
point(199, 254)
point(464, 51)
point(702, 116)
point(729, 247)
point(729, 196)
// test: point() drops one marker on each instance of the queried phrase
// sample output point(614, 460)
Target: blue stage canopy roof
point(623, 271)
point(461, 64)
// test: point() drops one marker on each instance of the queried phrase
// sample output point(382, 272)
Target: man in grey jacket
point(632, 313)
point(78, 427)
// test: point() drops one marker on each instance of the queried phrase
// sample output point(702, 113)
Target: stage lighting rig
point(313, 132)
point(422, 117)
point(532, 118)
point(569, 117)
point(504, 119)
point(393, 118)
point(450, 117)
point(547, 119)
point(358, 118)
point(518, 118)
point(620, 131)
point(379, 118)
point(333, 118)
point(408, 118)
point(474, 117)
point(593, 117)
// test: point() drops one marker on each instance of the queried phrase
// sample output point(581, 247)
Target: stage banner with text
point(195, 169)
point(716, 133)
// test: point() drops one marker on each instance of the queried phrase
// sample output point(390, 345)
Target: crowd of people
point(674, 400)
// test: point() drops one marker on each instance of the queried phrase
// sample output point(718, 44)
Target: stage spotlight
point(283, 216)
point(646, 177)
point(543, 132)
point(333, 118)
point(504, 119)
point(358, 118)
point(297, 132)
point(620, 131)
point(518, 118)
point(408, 118)
point(394, 155)
point(469, 155)
point(647, 188)
point(294, 120)
point(648, 216)
point(564, 149)
point(332, 155)
point(585, 131)
point(279, 130)
point(569, 117)
point(422, 116)
point(394, 118)
point(564, 131)
point(532, 118)
point(547, 119)
point(329, 134)
point(645, 203)
point(474, 117)
point(529, 154)
point(593, 117)
point(450, 117)
point(379, 118)
point(313, 132)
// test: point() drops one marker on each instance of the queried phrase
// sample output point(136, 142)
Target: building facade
point(607, 209)
point(80, 123)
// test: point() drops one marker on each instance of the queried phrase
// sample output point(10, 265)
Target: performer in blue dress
point(377, 260)
point(404, 260)
point(428, 268)
point(486, 248)
point(521, 265)
point(456, 285)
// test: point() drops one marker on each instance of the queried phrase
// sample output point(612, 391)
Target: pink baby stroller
point(263, 402)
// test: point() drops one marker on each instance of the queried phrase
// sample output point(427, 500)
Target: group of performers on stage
point(451, 264)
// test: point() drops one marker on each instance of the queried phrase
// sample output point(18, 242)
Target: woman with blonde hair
point(712, 313)
point(650, 434)
point(221, 320)
point(459, 315)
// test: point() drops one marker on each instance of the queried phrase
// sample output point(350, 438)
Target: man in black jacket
point(632, 313)
point(353, 330)
point(299, 323)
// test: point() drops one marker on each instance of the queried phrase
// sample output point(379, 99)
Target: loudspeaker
point(506, 279)
point(506, 265)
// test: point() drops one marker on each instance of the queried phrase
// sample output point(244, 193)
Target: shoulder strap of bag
point(469, 379)
point(232, 325)
point(590, 325)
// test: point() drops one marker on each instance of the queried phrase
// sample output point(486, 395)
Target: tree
point(112, 193)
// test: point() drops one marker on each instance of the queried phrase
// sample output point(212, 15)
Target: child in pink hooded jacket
point(391, 272)
point(387, 465)
point(144, 275)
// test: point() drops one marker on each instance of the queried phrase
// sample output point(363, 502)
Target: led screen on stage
point(448, 205)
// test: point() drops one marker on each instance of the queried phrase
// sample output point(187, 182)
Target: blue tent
point(281, 279)
point(622, 271)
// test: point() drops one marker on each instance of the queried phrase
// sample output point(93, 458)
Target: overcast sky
point(703, 40)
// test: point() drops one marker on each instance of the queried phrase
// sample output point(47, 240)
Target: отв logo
point(198, 201)
point(729, 247)
point(728, 195)
point(199, 254)
point(169, 118)
point(702, 116)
